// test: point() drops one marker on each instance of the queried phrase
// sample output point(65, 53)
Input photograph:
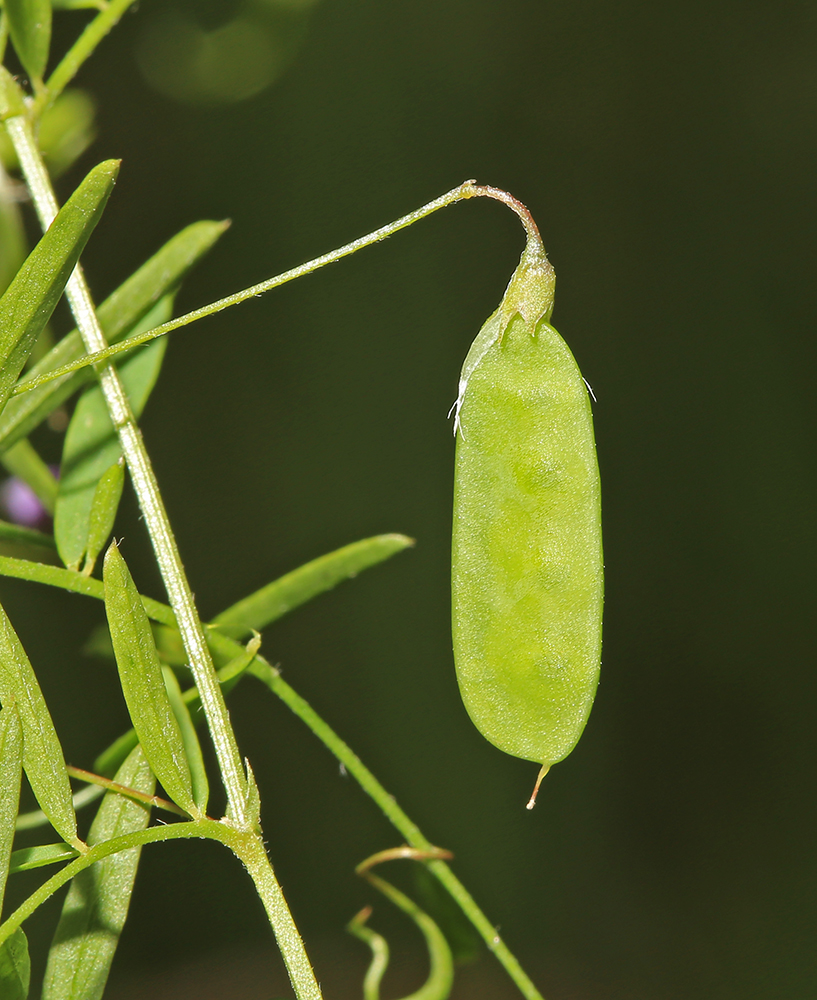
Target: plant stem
point(514, 204)
point(71, 62)
point(249, 849)
point(129, 793)
point(145, 485)
point(246, 846)
point(260, 669)
point(175, 581)
point(465, 190)
point(264, 672)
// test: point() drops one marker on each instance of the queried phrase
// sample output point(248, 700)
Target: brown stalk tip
point(542, 773)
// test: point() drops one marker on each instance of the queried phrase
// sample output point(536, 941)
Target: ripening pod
point(527, 578)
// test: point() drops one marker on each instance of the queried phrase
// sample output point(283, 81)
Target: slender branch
point(486, 191)
point(246, 846)
point(266, 673)
point(146, 487)
point(465, 190)
point(178, 589)
point(129, 793)
point(399, 819)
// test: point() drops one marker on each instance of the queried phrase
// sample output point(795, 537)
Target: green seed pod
point(527, 558)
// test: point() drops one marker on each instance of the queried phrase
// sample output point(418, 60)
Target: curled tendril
point(441, 972)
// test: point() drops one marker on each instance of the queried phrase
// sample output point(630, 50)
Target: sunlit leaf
point(27, 303)
point(11, 96)
point(28, 858)
point(104, 505)
point(142, 683)
point(96, 907)
point(30, 29)
point(309, 580)
point(198, 773)
point(110, 759)
point(15, 967)
point(11, 765)
point(91, 447)
point(43, 761)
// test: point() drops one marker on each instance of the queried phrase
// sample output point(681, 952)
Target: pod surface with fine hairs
point(527, 568)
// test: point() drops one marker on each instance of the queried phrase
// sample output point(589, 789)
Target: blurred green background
point(667, 152)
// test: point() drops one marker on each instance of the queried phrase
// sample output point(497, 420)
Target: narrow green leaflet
point(12, 234)
point(97, 903)
point(91, 447)
point(11, 96)
point(42, 754)
point(15, 967)
point(309, 580)
point(198, 773)
point(27, 304)
point(30, 29)
point(15, 534)
point(11, 769)
point(142, 684)
point(104, 506)
point(28, 858)
point(66, 579)
point(110, 759)
point(119, 315)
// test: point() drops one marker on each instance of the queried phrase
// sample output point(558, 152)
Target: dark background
point(667, 152)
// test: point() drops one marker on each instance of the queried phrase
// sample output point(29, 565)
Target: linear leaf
point(198, 773)
point(97, 903)
point(309, 580)
point(66, 579)
point(102, 515)
point(30, 30)
point(43, 761)
point(35, 818)
point(91, 447)
point(12, 235)
point(15, 967)
point(118, 314)
point(142, 684)
point(15, 534)
point(11, 769)
point(12, 102)
point(27, 304)
point(110, 759)
point(28, 858)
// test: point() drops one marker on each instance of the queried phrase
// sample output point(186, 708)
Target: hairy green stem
point(70, 580)
point(399, 819)
point(465, 190)
point(172, 571)
point(145, 485)
point(247, 847)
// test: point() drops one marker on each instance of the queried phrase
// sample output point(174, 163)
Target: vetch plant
point(527, 566)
